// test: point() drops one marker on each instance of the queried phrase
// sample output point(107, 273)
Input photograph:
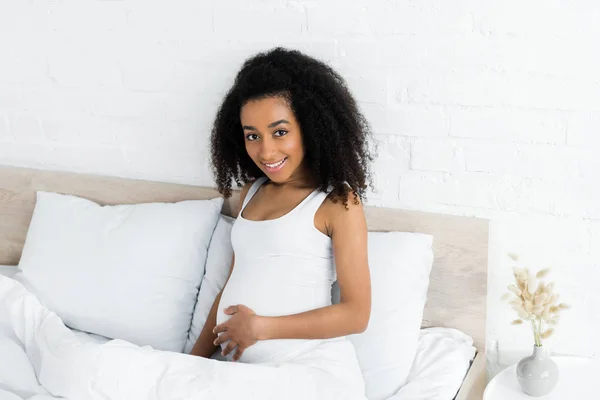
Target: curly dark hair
point(335, 134)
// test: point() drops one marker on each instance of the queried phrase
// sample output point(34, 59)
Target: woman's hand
point(241, 330)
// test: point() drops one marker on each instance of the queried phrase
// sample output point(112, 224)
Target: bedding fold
point(43, 359)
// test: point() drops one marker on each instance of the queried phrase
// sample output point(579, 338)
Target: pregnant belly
point(271, 298)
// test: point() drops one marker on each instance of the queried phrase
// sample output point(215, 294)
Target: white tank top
point(282, 266)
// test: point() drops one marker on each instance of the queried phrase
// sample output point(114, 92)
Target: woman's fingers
point(220, 328)
point(222, 338)
point(238, 353)
point(231, 310)
point(229, 348)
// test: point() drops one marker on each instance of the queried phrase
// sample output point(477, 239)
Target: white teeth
point(276, 164)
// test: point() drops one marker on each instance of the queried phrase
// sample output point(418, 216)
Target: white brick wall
point(481, 108)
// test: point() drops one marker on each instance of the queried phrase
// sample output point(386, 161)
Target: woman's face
point(273, 138)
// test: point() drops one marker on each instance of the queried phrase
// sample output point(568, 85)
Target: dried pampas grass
point(533, 300)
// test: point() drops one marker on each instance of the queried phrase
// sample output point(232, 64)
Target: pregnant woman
point(291, 132)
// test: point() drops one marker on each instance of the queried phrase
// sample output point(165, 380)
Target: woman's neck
point(300, 179)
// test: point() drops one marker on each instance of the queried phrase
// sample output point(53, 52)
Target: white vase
point(537, 374)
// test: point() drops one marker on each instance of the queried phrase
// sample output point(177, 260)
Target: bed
point(456, 297)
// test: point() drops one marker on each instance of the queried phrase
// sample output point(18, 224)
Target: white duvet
point(41, 359)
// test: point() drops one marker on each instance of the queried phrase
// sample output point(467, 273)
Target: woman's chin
point(279, 176)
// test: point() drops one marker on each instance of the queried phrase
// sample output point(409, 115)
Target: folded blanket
point(40, 358)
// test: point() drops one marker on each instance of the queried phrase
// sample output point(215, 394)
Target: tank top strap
point(252, 191)
point(312, 203)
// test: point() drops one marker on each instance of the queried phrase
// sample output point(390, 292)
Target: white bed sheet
point(17, 377)
point(68, 365)
point(443, 358)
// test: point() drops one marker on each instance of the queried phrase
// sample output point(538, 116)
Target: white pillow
point(130, 272)
point(218, 265)
point(400, 264)
point(442, 361)
point(9, 271)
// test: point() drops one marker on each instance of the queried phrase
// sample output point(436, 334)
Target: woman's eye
point(251, 137)
point(280, 132)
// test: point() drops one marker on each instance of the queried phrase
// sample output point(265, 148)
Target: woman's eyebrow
point(281, 121)
point(271, 125)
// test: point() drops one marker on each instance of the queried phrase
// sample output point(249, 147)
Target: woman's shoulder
point(342, 212)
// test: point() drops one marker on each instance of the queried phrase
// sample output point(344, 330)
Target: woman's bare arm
point(204, 346)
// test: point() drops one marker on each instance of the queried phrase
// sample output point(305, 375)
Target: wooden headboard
point(458, 288)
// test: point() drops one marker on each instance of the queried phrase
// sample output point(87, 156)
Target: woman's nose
point(267, 150)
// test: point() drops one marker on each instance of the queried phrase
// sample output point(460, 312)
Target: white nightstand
point(579, 379)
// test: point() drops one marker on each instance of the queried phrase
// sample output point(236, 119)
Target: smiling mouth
point(272, 167)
